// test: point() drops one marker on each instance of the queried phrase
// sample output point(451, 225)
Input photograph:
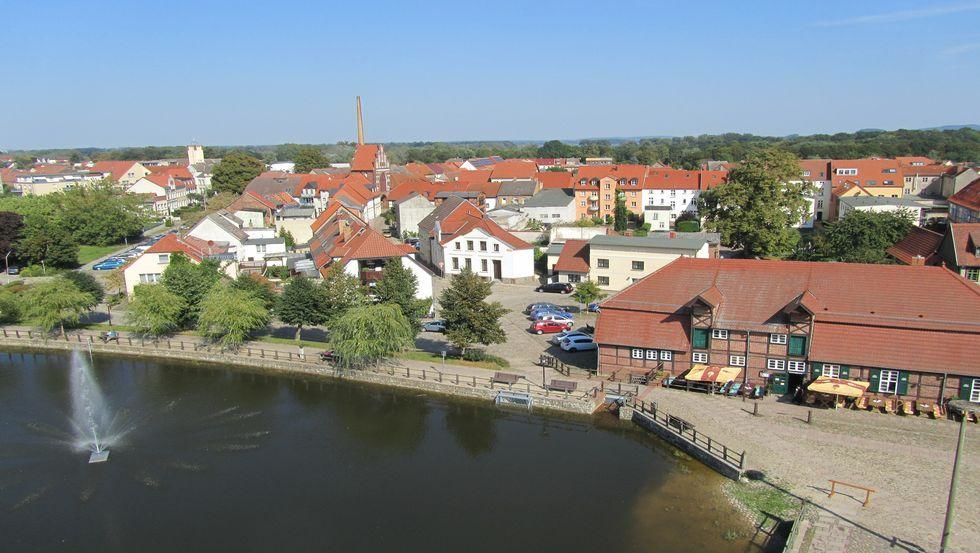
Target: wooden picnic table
point(563, 385)
point(506, 378)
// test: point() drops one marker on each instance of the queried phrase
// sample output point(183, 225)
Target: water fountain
point(89, 412)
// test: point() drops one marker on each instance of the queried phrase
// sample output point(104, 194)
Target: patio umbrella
point(838, 387)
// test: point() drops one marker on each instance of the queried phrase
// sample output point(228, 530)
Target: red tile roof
point(966, 241)
point(328, 214)
point(178, 171)
point(968, 197)
point(192, 247)
point(554, 179)
point(815, 169)
point(116, 169)
point(514, 169)
point(574, 257)
point(364, 155)
point(894, 306)
point(909, 160)
point(919, 247)
point(466, 217)
point(873, 170)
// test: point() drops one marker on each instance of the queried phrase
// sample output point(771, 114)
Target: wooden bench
point(506, 378)
point(563, 385)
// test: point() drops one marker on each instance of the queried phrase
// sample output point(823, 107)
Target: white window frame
point(719, 334)
point(699, 357)
point(776, 364)
point(796, 367)
point(830, 370)
point(637, 353)
point(736, 360)
point(778, 339)
point(888, 385)
point(163, 258)
point(666, 355)
point(975, 391)
point(651, 355)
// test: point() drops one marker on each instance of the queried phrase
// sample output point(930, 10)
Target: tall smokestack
point(360, 123)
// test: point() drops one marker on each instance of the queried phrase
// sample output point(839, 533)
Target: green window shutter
point(874, 379)
point(966, 384)
point(903, 383)
point(845, 371)
point(797, 345)
point(699, 338)
point(816, 369)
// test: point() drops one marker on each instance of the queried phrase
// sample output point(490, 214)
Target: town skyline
point(512, 73)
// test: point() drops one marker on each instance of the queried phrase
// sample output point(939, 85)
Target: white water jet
point(90, 416)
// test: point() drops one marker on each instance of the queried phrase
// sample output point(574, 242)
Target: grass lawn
point(88, 254)
point(761, 499)
point(289, 341)
point(429, 357)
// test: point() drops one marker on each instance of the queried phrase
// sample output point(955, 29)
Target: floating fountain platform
point(99, 456)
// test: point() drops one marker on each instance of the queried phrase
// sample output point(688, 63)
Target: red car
point(550, 327)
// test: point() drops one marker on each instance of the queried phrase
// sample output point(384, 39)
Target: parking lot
point(522, 349)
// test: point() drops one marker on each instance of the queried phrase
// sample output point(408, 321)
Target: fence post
point(709, 444)
point(17, 332)
point(168, 344)
point(474, 382)
point(724, 451)
point(457, 379)
point(741, 460)
point(275, 353)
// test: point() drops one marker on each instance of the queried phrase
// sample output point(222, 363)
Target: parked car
point(594, 307)
point(555, 288)
point(564, 319)
point(541, 313)
point(557, 338)
point(570, 308)
point(109, 264)
point(578, 343)
point(542, 327)
point(13, 270)
point(434, 326)
point(543, 305)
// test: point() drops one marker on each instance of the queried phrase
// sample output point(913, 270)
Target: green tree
point(55, 304)
point(340, 292)
point(24, 162)
point(309, 158)
point(622, 215)
point(9, 307)
point(88, 284)
point(228, 316)
point(258, 286)
point(288, 237)
point(191, 282)
point(154, 310)
point(587, 292)
point(235, 171)
point(469, 318)
point(864, 236)
point(115, 283)
point(48, 243)
point(301, 304)
point(99, 214)
point(399, 286)
point(759, 206)
point(11, 228)
point(370, 333)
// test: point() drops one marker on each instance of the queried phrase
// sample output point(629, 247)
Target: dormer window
point(633, 182)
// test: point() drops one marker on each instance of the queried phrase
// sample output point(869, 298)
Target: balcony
point(594, 207)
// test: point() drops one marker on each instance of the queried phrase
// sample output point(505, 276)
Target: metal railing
point(689, 433)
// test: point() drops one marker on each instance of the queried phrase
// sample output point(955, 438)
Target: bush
point(277, 272)
point(687, 226)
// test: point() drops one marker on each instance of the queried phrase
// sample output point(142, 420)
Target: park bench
point(563, 385)
point(506, 378)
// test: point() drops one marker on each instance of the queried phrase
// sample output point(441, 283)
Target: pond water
point(208, 459)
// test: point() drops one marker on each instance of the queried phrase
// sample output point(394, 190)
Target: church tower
point(195, 154)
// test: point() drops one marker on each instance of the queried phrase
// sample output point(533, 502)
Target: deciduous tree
point(55, 303)
point(154, 310)
point(88, 284)
point(370, 333)
point(587, 292)
point(622, 215)
point(235, 170)
point(301, 304)
point(759, 206)
point(340, 292)
point(11, 226)
point(190, 281)
point(258, 286)
point(228, 316)
point(399, 286)
point(864, 236)
point(309, 158)
point(469, 318)
point(48, 243)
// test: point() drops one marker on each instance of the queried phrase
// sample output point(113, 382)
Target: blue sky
point(161, 73)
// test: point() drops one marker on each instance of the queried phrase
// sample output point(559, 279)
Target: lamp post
point(6, 264)
point(962, 407)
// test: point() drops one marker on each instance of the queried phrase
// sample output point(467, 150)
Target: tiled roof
point(968, 197)
point(909, 160)
point(192, 247)
point(872, 169)
point(514, 169)
point(966, 240)
point(517, 187)
point(814, 169)
point(551, 197)
point(918, 243)
point(574, 257)
point(116, 169)
point(880, 306)
point(554, 179)
point(178, 171)
point(364, 155)
point(327, 214)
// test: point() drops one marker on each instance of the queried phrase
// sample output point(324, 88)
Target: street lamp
point(6, 264)
point(964, 408)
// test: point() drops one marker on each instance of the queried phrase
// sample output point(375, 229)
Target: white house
point(457, 235)
point(164, 193)
point(410, 211)
point(551, 205)
point(149, 267)
point(253, 247)
point(880, 204)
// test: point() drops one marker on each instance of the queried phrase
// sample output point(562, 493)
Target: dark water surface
point(230, 461)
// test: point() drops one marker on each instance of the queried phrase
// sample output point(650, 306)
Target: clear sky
point(136, 73)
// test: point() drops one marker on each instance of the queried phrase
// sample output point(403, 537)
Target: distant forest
point(689, 151)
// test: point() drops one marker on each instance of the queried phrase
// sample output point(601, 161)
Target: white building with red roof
point(164, 192)
point(149, 267)
point(123, 172)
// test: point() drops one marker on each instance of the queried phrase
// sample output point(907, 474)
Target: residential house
point(513, 169)
point(783, 323)
point(960, 249)
point(150, 265)
point(370, 161)
point(554, 179)
point(341, 238)
point(516, 192)
point(42, 180)
point(849, 189)
point(919, 247)
point(410, 211)
point(125, 173)
point(551, 205)
point(678, 189)
point(964, 206)
point(911, 205)
point(957, 179)
point(615, 262)
point(477, 163)
point(163, 192)
point(816, 173)
point(254, 248)
point(458, 235)
point(924, 180)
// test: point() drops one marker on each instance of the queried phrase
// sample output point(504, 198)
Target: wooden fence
point(689, 434)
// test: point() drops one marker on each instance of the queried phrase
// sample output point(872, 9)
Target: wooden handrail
point(867, 491)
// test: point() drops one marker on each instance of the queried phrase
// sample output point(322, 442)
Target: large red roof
point(968, 197)
point(872, 300)
point(966, 240)
point(574, 257)
point(514, 169)
point(554, 179)
point(364, 156)
point(919, 247)
point(116, 169)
